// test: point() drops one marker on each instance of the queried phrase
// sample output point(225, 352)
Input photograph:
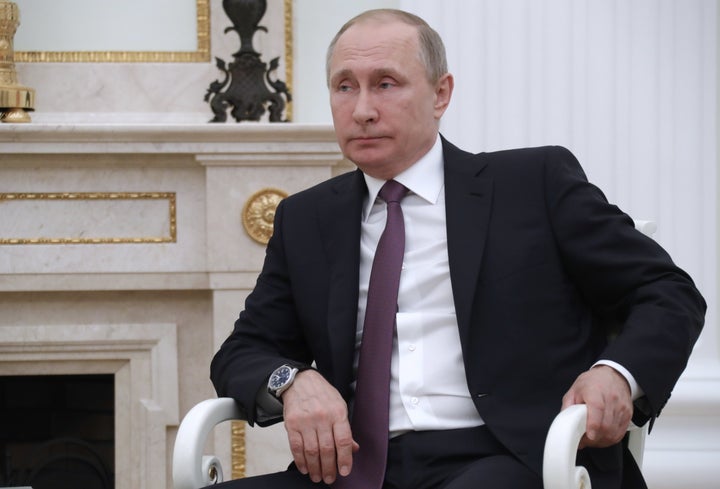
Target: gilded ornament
point(15, 100)
point(259, 213)
point(95, 196)
point(239, 458)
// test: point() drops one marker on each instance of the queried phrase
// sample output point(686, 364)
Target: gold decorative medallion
point(258, 213)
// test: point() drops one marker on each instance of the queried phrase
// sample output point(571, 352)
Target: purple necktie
point(370, 418)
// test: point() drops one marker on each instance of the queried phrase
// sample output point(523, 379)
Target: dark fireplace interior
point(57, 431)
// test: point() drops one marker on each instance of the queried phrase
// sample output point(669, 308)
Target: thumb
point(568, 399)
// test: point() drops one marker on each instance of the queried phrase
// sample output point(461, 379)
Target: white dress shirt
point(428, 388)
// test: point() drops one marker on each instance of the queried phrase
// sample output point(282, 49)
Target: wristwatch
point(281, 379)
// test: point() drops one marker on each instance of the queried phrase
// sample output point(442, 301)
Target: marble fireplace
point(127, 250)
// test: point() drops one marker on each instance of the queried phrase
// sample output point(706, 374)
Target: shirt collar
point(425, 178)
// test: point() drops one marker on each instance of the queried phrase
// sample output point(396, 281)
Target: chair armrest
point(561, 445)
point(192, 470)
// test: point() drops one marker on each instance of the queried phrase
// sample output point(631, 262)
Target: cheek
point(412, 109)
point(341, 110)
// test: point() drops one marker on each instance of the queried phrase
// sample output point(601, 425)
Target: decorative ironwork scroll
point(248, 85)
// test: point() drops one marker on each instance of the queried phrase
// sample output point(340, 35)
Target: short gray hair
point(432, 50)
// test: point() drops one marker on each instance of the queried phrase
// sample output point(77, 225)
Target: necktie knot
point(393, 191)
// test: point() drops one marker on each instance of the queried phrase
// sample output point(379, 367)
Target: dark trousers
point(452, 459)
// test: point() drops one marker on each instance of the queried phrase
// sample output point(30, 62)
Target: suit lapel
point(340, 224)
point(468, 198)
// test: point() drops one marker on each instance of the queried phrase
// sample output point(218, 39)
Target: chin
point(365, 160)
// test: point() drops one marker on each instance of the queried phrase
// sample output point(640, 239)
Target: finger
point(298, 451)
point(312, 455)
point(568, 399)
point(609, 425)
point(594, 422)
point(619, 423)
point(584, 442)
point(345, 447)
point(328, 461)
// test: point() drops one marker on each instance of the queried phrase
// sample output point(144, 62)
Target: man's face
point(385, 111)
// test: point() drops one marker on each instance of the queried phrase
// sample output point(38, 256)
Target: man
point(515, 273)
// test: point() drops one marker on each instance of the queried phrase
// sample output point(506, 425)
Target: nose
point(365, 111)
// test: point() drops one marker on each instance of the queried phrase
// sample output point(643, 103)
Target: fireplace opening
point(57, 431)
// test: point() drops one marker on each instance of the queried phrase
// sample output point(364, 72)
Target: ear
point(443, 94)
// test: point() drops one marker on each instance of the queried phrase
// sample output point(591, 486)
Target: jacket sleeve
point(266, 335)
point(651, 305)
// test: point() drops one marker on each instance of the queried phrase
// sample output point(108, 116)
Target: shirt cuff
point(635, 390)
point(267, 406)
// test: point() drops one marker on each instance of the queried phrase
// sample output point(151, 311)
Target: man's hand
point(607, 396)
point(316, 420)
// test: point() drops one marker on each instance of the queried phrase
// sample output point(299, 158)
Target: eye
point(344, 87)
point(386, 83)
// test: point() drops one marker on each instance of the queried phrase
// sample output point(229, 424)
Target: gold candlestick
point(15, 100)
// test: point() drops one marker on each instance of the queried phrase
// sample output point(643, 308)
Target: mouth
point(365, 139)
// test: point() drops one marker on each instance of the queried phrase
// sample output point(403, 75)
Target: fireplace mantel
point(172, 138)
point(116, 237)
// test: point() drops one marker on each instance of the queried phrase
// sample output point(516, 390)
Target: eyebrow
point(376, 73)
point(339, 75)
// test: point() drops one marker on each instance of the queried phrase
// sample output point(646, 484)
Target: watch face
point(280, 377)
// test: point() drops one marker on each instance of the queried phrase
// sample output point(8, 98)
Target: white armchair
point(561, 444)
point(193, 470)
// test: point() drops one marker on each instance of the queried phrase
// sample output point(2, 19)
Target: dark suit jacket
point(543, 269)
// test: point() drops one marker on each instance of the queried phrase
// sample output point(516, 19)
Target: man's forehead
point(371, 43)
point(392, 27)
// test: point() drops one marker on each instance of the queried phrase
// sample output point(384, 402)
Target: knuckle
point(296, 445)
point(312, 451)
point(327, 443)
point(344, 441)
